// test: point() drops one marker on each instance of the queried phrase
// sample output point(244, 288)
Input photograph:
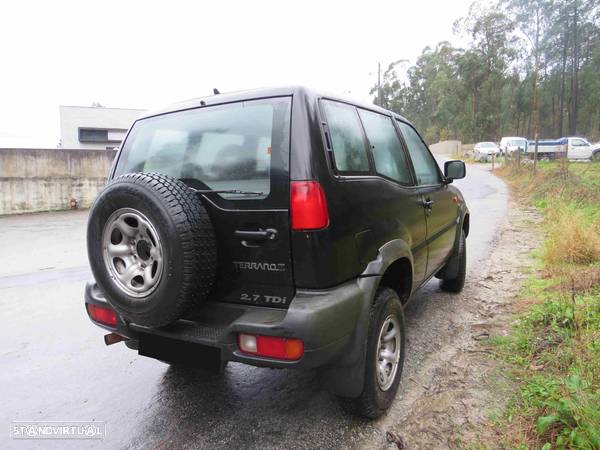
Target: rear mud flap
point(346, 377)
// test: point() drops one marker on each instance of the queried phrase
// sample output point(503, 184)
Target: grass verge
point(553, 351)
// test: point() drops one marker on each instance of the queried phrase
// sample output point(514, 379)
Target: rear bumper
point(326, 320)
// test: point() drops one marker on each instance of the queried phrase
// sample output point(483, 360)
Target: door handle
point(260, 235)
point(427, 203)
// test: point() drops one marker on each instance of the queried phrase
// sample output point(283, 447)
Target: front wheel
point(385, 356)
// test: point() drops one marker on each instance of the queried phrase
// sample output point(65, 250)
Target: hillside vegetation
point(528, 65)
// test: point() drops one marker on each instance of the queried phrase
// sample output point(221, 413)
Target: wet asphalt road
point(54, 365)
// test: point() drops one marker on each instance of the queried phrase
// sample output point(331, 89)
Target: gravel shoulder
point(445, 400)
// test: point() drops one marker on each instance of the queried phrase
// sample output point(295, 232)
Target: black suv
point(275, 227)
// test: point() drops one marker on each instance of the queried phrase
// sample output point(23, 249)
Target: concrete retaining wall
point(34, 180)
point(466, 148)
point(447, 148)
point(456, 148)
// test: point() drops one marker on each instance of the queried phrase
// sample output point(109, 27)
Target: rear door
point(441, 209)
point(396, 211)
point(240, 146)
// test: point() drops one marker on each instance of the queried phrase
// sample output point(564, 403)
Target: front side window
point(385, 146)
point(425, 166)
point(347, 140)
point(579, 143)
point(235, 146)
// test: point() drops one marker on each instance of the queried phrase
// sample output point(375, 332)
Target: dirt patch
point(577, 279)
point(445, 401)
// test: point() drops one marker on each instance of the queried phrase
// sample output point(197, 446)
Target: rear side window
point(426, 168)
point(242, 146)
point(387, 152)
point(347, 138)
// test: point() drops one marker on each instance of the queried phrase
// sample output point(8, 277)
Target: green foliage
point(572, 409)
point(486, 90)
point(553, 351)
point(560, 338)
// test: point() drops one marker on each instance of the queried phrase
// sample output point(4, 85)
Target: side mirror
point(454, 170)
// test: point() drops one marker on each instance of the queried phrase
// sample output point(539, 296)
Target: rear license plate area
point(180, 352)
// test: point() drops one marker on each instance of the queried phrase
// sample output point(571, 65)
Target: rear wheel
point(596, 156)
point(385, 356)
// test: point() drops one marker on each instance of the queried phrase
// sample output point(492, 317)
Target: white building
point(95, 127)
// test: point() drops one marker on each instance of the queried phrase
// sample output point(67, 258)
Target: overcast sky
point(144, 54)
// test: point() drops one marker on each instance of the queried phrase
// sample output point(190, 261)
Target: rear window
point(385, 146)
point(242, 146)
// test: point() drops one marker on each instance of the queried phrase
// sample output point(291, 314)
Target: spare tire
point(151, 247)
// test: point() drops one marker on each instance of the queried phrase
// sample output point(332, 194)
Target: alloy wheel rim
point(132, 252)
point(388, 352)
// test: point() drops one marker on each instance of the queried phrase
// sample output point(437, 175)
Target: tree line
point(530, 67)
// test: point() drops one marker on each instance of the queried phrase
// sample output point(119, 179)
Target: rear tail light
point(308, 206)
point(105, 316)
point(289, 349)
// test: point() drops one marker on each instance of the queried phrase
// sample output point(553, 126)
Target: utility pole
point(536, 113)
point(379, 84)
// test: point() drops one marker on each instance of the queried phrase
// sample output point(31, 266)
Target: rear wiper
point(225, 191)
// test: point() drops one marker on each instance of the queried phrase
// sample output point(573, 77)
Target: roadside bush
point(572, 238)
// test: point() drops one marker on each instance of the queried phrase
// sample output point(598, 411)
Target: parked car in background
point(596, 152)
point(508, 145)
point(485, 150)
point(572, 147)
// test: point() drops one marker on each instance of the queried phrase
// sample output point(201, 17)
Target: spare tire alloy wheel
point(152, 248)
point(132, 252)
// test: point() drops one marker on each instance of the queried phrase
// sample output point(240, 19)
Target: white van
point(508, 145)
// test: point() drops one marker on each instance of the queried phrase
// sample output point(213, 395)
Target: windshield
point(233, 146)
point(486, 144)
point(517, 142)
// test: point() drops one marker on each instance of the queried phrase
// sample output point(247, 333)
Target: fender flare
point(346, 376)
point(389, 253)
